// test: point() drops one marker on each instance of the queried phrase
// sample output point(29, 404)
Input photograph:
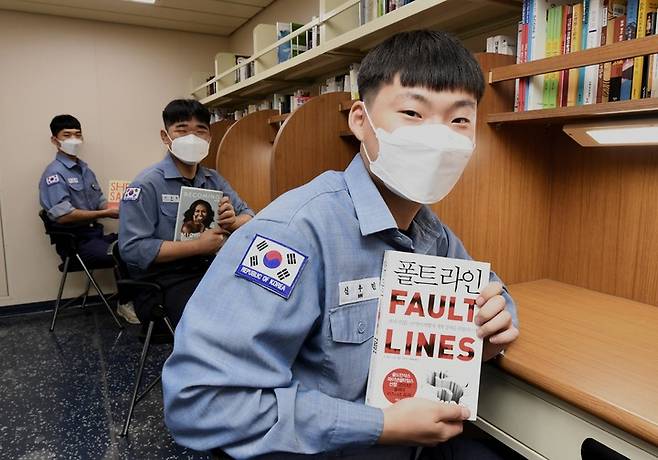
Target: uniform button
point(361, 327)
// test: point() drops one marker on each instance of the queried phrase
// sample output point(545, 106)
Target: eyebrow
point(413, 95)
point(463, 103)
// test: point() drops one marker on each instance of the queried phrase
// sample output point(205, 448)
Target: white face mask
point(189, 149)
point(420, 163)
point(70, 146)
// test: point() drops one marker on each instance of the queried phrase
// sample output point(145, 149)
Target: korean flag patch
point(131, 194)
point(54, 179)
point(272, 265)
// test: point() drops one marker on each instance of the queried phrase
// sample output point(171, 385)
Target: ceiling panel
point(217, 17)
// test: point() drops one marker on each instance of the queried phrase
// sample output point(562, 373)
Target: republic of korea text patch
point(272, 265)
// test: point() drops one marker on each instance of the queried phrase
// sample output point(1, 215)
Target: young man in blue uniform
point(73, 199)
point(150, 204)
point(276, 366)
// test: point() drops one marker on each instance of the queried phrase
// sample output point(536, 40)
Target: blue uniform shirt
point(66, 185)
point(254, 373)
point(148, 213)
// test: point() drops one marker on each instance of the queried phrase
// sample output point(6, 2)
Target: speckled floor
point(64, 395)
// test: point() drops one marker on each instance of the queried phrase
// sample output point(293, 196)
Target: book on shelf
point(373, 9)
point(294, 46)
point(501, 44)
point(425, 342)
point(628, 64)
point(644, 10)
point(197, 212)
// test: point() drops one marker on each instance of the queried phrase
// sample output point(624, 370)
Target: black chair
point(128, 290)
point(67, 245)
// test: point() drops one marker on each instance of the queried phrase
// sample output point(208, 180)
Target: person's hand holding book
point(494, 321)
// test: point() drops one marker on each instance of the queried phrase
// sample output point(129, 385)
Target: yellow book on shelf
point(643, 8)
point(576, 45)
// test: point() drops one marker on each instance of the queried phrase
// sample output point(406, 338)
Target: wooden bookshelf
point(457, 16)
point(593, 350)
point(562, 115)
point(345, 106)
point(626, 49)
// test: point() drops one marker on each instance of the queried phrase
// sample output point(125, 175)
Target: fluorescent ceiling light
point(610, 133)
point(151, 2)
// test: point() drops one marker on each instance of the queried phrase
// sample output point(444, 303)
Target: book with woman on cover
point(425, 342)
point(198, 210)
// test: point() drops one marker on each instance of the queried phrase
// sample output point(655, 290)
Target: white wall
point(116, 79)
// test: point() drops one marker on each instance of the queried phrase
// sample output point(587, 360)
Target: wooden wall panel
point(217, 131)
point(604, 219)
point(245, 158)
point(500, 207)
point(309, 143)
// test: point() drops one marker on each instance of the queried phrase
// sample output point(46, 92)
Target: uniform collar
point(373, 213)
point(68, 162)
point(171, 171)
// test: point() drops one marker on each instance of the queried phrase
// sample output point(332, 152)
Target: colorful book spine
point(593, 41)
point(563, 86)
point(576, 45)
point(581, 71)
point(627, 68)
point(616, 68)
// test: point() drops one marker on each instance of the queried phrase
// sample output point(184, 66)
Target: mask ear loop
point(365, 150)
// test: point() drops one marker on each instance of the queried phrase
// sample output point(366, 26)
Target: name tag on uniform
point(170, 198)
point(358, 290)
point(72, 180)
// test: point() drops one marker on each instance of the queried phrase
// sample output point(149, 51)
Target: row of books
point(501, 44)
point(347, 82)
point(297, 45)
point(552, 28)
point(373, 9)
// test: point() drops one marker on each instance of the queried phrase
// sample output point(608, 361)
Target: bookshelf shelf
point(457, 16)
point(605, 110)
point(607, 53)
point(601, 356)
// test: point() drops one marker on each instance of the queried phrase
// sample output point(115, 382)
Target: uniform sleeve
point(456, 250)
point(138, 215)
point(229, 383)
point(54, 195)
point(238, 203)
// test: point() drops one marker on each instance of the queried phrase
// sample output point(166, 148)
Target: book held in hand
point(425, 342)
point(115, 192)
point(197, 212)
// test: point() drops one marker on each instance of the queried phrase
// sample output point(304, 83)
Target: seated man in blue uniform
point(150, 204)
point(267, 374)
point(74, 200)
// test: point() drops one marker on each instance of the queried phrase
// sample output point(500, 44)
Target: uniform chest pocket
point(75, 184)
point(353, 323)
point(169, 210)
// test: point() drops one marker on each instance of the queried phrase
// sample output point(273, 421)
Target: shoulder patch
point(131, 194)
point(272, 265)
point(54, 179)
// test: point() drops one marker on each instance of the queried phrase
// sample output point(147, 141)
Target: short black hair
point(184, 110)
point(61, 122)
point(434, 60)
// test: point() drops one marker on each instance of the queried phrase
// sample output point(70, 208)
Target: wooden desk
point(591, 357)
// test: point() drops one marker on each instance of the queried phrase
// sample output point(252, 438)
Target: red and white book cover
point(425, 342)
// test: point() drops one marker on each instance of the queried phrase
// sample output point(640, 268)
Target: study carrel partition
point(262, 160)
point(217, 132)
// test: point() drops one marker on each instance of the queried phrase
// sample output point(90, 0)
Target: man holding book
point(150, 204)
point(272, 354)
point(73, 199)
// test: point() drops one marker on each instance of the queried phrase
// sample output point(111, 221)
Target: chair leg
point(59, 293)
point(98, 289)
point(169, 326)
point(138, 378)
point(84, 298)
